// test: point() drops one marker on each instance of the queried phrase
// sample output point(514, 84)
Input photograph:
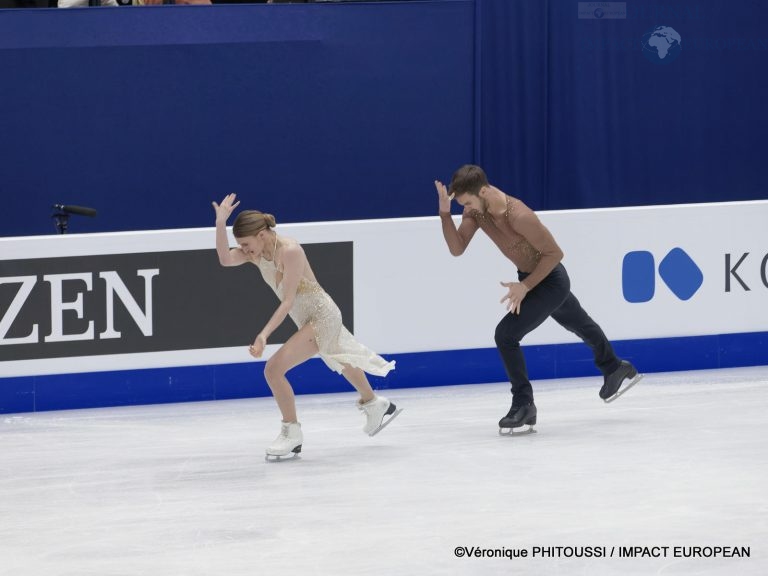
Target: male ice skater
point(543, 288)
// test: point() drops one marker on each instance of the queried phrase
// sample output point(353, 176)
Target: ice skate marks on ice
point(625, 388)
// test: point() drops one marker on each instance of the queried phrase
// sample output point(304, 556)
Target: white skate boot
point(375, 412)
point(288, 442)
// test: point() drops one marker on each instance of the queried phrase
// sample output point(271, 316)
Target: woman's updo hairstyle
point(251, 222)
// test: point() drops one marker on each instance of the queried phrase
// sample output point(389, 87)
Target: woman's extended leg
point(359, 381)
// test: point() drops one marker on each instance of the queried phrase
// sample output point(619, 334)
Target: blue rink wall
point(200, 383)
point(107, 319)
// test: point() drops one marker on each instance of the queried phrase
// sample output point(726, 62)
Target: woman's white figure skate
point(379, 412)
point(287, 444)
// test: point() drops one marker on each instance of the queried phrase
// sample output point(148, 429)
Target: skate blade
point(624, 390)
point(286, 458)
point(386, 422)
point(294, 455)
point(519, 431)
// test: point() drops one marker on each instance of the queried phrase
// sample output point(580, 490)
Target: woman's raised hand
point(225, 209)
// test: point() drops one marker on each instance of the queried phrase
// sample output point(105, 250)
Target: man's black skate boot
point(612, 384)
point(523, 415)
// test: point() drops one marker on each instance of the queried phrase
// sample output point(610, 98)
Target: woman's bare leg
point(298, 349)
point(357, 378)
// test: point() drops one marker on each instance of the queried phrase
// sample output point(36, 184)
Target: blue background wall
point(311, 112)
point(575, 116)
point(350, 110)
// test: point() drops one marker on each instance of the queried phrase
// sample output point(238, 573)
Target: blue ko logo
point(678, 271)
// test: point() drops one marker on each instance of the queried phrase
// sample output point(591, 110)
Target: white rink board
point(411, 295)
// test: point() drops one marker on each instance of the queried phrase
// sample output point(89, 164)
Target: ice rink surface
point(680, 461)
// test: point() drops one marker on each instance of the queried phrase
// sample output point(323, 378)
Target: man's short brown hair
point(469, 179)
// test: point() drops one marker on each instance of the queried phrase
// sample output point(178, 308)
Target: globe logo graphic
point(599, 13)
point(662, 44)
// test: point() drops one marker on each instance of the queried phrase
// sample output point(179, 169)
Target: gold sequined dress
point(337, 346)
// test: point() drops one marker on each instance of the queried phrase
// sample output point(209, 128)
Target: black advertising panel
point(148, 302)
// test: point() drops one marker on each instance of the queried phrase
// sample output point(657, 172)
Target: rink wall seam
point(421, 369)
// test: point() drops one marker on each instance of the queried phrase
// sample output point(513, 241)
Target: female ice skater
point(286, 270)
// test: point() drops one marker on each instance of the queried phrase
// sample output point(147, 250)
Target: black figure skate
point(519, 421)
point(619, 381)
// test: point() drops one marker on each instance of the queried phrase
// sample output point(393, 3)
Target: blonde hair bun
point(251, 222)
